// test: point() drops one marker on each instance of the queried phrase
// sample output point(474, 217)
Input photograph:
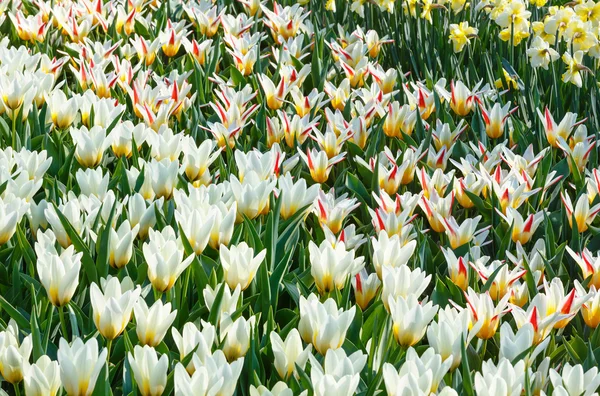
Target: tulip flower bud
point(164, 255)
point(289, 353)
point(152, 323)
point(80, 365)
point(113, 304)
point(149, 371)
point(237, 336)
point(42, 378)
point(410, 318)
point(90, 145)
point(59, 274)
point(322, 324)
point(14, 356)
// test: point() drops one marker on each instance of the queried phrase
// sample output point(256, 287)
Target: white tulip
point(152, 323)
point(223, 376)
point(501, 379)
point(239, 264)
point(410, 318)
point(402, 282)
point(121, 244)
point(149, 371)
point(59, 274)
point(289, 353)
point(113, 305)
point(237, 336)
point(390, 251)
point(92, 182)
point(42, 378)
point(90, 145)
point(191, 338)
point(80, 365)
point(62, 111)
point(14, 355)
point(322, 324)
point(573, 380)
point(164, 255)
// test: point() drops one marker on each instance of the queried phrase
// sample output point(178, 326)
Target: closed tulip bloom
point(583, 214)
point(164, 255)
point(42, 378)
point(409, 380)
point(457, 269)
point(240, 264)
point(252, 195)
point(197, 159)
point(483, 314)
point(222, 229)
point(402, 282)
point(503, 279)
point(289, 353)
point(295, 196)
point(121, 244)
point(90, 145)
point(503, 379)
point(164, 176)
point(80, 365)
point(365, 288)
point(223, 375)
point(62, 111)
point(573, 380)
point(430, 361)
point(123, 134)
point(323, 324)
point(14, 355)
point(514, 344)
point(319, 164)
point(92, 182)
point(410, 318)
point(190, 338)
point(459, 235)
point(142, 213)
point(195, 384)
point(495, 119)
point(152, 323)
point(389, 251)
point(553, 130)
point(237, 336)
point(449, 333)
point(197, 225)
point(522, 228)
point(12, 210)
point(280, 389)
point(149, 371)
point(59, 274)
point(331, 266)
point(332, 211)
point(590, 310)
point(113, 304)
point(229, 300)
point(339, 372)
point(144, 172)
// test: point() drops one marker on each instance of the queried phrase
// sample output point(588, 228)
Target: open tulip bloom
point(295, 197)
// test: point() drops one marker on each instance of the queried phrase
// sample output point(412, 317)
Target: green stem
point(14, 130)
point(63, 323)
point(17, 389)
point(108, 348)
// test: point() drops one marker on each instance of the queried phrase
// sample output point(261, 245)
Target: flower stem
point(17, 389)
point(108, 348)
point(63, 323)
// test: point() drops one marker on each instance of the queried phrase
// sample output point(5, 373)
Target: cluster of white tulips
point(259, 197)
